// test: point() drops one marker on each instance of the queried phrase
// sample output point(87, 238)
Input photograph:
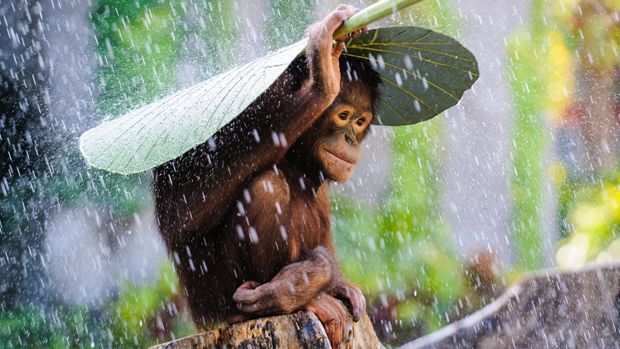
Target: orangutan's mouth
point(339, 157)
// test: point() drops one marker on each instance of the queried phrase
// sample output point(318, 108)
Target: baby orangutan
point(246, 215)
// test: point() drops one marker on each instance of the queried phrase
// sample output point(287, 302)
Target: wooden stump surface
point(297, 331)
point(550, 309)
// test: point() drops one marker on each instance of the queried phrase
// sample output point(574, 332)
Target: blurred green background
point(522, 174)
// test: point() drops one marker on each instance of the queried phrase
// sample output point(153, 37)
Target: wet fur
point(241, 207)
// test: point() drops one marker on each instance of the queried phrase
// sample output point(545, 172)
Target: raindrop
point(416, 105)
point(275, 138)
point(408, 63)
point(283, 233)
point(212, 144)
point(278, 208)
point(246, 196)
point(380, 62)
point(253, 235)
point(240, 208)
point(240, 233)
point(373, 61)
point(283, 141)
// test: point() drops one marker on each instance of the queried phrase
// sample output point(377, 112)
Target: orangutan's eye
point(343, 115)
point(360, 122)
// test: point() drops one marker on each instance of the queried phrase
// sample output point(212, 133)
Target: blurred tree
point(590, 30)
point(26, 135)
point(588, 124)
point(596, 26)
point(41, 115)
point(528, 78)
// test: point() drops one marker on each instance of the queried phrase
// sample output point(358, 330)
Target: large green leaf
point(423, 73)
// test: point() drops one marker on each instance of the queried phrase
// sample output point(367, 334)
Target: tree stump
point(296, 331)
point(551, 309)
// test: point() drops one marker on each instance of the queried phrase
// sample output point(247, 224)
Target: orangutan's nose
point(350, 137)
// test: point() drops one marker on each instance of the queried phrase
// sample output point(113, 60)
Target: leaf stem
point(371, 14)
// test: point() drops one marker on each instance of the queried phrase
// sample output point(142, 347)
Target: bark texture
point(296, 331)
point(552, 309)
